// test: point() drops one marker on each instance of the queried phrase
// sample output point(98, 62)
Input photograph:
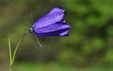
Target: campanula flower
point(52, 24)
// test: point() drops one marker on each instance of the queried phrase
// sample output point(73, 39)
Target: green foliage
point(91, 39)
point(54, 66)
point(91, 22)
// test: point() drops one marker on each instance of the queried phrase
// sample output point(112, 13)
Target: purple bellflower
point(52, 24)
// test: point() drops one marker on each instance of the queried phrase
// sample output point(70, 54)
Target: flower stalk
point(13, 58)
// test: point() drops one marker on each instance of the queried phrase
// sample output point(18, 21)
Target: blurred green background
point(89, 48)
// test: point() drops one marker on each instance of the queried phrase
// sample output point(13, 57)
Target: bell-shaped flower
point(52, 24)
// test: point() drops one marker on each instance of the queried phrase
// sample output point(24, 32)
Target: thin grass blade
point(10, 55)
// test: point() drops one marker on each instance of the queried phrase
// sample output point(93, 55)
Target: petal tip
point(60, 7)
point(65, 35)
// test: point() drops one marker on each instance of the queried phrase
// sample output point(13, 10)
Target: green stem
point(15, 52)
point(12, 59)
point(10, 68)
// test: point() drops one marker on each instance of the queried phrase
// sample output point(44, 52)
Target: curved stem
point(12, 61)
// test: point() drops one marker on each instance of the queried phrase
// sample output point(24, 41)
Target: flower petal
point(64, 33)
point(52, 24)
point(55, 15)
point(59, 28)
point(54, 33)
point(60, 7)
point(63, 20)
